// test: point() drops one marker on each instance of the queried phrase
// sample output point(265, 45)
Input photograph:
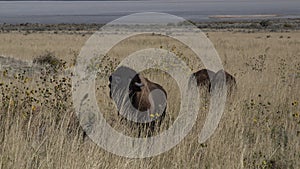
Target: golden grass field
point(260, 127)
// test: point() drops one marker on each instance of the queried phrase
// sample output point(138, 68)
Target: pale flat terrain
point(260, 127)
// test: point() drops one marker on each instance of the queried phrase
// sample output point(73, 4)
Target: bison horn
point(139, 84)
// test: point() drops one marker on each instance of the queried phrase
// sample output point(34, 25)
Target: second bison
point(212, 81)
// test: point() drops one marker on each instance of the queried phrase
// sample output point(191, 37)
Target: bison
point(229, 81)
point(138, 99)
point(212, 81)
point(203, 77)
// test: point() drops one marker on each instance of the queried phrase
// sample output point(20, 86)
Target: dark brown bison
point(203, 77)
point(229, 81)
point(138, 99)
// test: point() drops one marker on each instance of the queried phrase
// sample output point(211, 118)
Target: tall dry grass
point(260, 127)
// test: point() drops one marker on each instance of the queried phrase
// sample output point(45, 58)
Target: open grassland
point(260, 127)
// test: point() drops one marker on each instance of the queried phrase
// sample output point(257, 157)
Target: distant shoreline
point(263, 24)
point(104, 19)
point(244, 16)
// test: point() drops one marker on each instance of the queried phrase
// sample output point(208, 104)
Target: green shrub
point(50, 61)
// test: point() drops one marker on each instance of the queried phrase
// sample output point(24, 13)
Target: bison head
point(203, 78)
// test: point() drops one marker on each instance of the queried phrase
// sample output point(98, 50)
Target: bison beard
point(138, 99)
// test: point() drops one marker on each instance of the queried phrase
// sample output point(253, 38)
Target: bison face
point(136, 84)
point(119, 81)
point(203, 78)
